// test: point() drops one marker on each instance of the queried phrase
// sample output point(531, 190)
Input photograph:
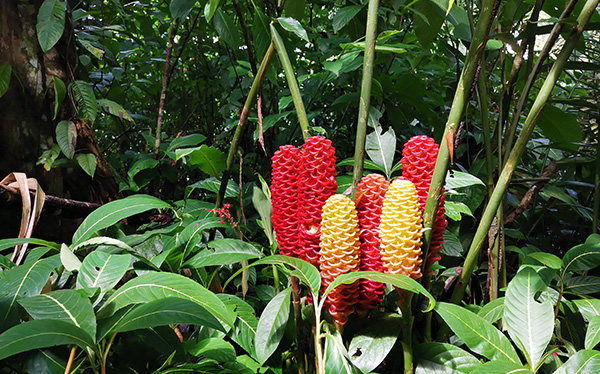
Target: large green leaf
point(370, 346)
point(210, 8)
point(459, 179)
point(492, 311)
point(41, 334)
point(381, 147)
point(261, 200)
point(227, 30)
point(66, 137)
point(5, 73)
point(86, 100)
point(589, 308)
point(244, 331)
point(294, 26)
point(20, 282)
point(213, 348)
point(88, 163)
point(60, 92)
point(582, 257)
point(11, 242)
point(63, 305)
point(170, 310)
point(397, 280)
point(111, 213)
point(154, 286)
point(582, 285)
point(427, 23)
point(344, 15)
point(208, 159)
point(180, 8)
point(501, 367)
point(223, 252)
point(592, 335)
point(477, 333)
point(102, 270)
point(529, 323)
point(335, 356)
point(582, 362)
point(271, 325)
point(443, 358)
point(115, 109)
point(50, 23)
point(560, 126)
point(191, 140)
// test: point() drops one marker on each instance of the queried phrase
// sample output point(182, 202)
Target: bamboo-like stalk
point(596, 189)
point(458, 105)
point(365, 94)
point(518, 150)
point(292, 82)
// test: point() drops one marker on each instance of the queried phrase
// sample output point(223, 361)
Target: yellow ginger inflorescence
point(400, 230)
point(340, 254)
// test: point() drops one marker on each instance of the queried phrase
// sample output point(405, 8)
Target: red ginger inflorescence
point(418, 162)
point(340, 254)
point(284, 198)
point(369, 202)
point(316, 183)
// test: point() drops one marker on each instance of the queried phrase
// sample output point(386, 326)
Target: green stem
point(292, 82)
point(518, 149)
point(485, 124)
point(317, 335)
point(365, 93)
point(407, 326)
point(237, 136)
point(459, 102)
point(596, 189)
point(298, 322)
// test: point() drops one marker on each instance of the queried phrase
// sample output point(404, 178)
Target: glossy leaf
point(271, 325)
point(529, 323)
point(141, 164)
point(592, 335)
point(492, 311)
point(210, 8)
point(582, 285)
point(50, 23)
point(262, 204)
point(153, 286)
point(86, 100)
point(294, 26)
point(213, 348)
point(191, 140)
point(227, 30)
point(501, 367)
point(88, 163)
point(584, 256)
point(478, 334)
point(102, 270)
point(170, 310)
point(41, 334)
point(223, 252)
point(381, 147)
point(582, 362)
point(111, 213)
point(244, 331)
point(11, 242)
point(442, 358)
point(66, 137)
point(370, 346)
point(344, 15)
point(589, 308)
point(69, 260)
point(208, 159)
point(115, 109)
point(547, 259)
point(60, 92)
point(459, 179)
point(63, 305)
point(180, 8)
point(334, 356)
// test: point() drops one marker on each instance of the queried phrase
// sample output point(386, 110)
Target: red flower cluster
point(418, 162)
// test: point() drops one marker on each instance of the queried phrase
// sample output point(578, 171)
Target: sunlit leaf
point(271, 325)
point(50, 23)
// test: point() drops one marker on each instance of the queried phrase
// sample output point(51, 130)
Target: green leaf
point(115, 109)
point(454, 210)
point(501, 367)
point(86, 100)
point(529, 323)
point(41, 334)
point(584, 256)
point(223, 252)
point(492, 311)
point(88, 163)
point(210, 8)
point(170, 310)
point(227, 30)
point(208, 159)
point(589, 308)
point(212, 184)
point(186, 141)
point(66, 137)
point(213, 348)
point(477, 333)
point(271, 325)
point(154, 286)
point(63, 305)
point(426, 29)
point(397, 280)
point(102, 270)
point(294, 9)
point(180, 8)
point(244, 331)
point(381, 147)
point(20, 282)
point(111, 213)
point(60, 92)
point(452, 245)
point(146, 162)
point(582, 285)
point(547, 259)
point(582, 362)
point(11, 242)
point(460, 179)
point(294, 26)
point(69, 260)
point(560, 126)
point(102, 240)
point(369, 347)
point(592, 335)
point(5, 73)
point(50, 23)
point(443, 358)
point(334, 356)
point(344, 15)
point(262, 204)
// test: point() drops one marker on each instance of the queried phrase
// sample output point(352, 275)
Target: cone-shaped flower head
point(369, 202)
point(284, 198)
point(418, 162)
point(340, 254)
point(401, 229)
point(316, 183)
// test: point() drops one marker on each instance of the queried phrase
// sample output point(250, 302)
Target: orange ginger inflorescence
point(369, 202)
point(401, 229)
point(340, 254)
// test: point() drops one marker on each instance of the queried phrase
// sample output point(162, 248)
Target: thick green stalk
point(237, 136)
point(407, 329)
point(518, 149)
point(290, 75)
point(365, 93)
point(596, 189)
point(458, 105)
